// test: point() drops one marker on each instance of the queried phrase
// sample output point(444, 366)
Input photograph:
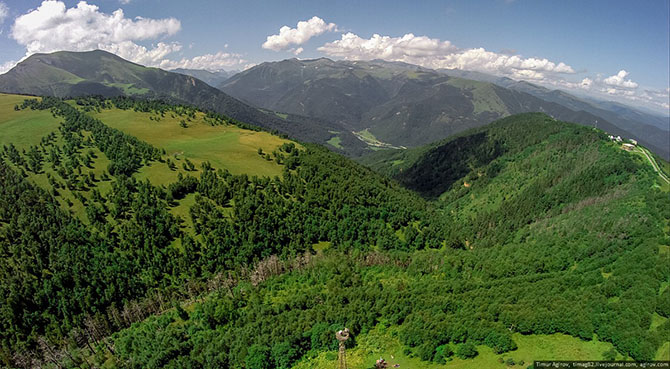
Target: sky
point(612, 49)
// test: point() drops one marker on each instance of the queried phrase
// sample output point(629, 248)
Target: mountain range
point(570, 100)
point(354, 107)
point(406, 105)
point(622, 116)
point(70, 74)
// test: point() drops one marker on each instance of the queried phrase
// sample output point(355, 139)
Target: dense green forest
point(531, 226)
point(59, 271)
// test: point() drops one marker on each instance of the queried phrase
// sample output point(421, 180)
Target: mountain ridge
point(407, 105)
point(648, 126)
point(71, 74)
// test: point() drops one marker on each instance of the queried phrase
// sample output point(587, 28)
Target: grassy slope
point(23, 128)
point(664, 164)
point(335, 142)
point(26, 128)
point(225, 147)
point(484, 98)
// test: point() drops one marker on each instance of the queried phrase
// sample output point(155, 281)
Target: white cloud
point(435, 53)
point(211, 62)
point(618, 88)
point(7, 66)
point(125, 2)
point(353, 47)
point(140, 54)
point(656, 99)
point(297, 36)
point(53, 27)
point(527, 74)
point(4, 12)
point(619, 80)
point(298, 51)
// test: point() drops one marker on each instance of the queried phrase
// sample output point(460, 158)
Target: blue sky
point(614, 50)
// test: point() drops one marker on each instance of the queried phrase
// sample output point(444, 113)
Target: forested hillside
point(80, 241)
point(118, 253)
point(556, 231)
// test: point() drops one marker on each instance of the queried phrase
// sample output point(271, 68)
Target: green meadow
point(225, 147)
point(25, 127)
point(335, 141)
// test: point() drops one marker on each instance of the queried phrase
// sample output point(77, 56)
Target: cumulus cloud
point(4, 67)
point(297, 36)
point(351, 46)
point(617, 87)
point(211, 62)
point(4, 12)
point(527, 74)
point(52, 27)
point(619, 80)
point(435, 53)
point(656, 99)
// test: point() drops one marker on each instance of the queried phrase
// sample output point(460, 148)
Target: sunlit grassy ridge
point(225, 147)
point(26, 128)
point(23, 128)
